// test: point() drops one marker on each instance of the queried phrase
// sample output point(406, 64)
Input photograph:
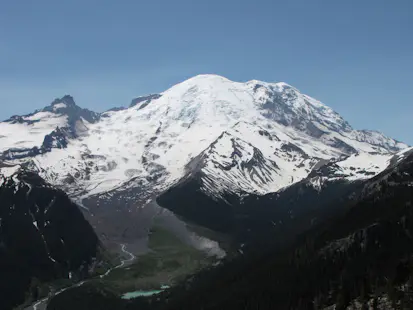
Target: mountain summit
point(159, 135)
point(67, 106)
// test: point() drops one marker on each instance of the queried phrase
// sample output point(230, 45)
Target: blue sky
point(355, 56)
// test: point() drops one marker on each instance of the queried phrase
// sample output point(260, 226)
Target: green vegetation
point(85, 297)
point(169, 261)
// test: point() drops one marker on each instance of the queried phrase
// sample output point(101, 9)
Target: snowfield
point(254, 137)
point(30, 132)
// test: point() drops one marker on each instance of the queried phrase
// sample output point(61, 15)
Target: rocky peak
point(67, 106)
point(66, 100)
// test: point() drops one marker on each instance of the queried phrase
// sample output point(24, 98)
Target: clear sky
point(354, 55)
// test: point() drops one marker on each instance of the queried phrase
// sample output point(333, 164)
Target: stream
point(42, 304)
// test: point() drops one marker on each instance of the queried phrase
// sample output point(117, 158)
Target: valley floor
point(42, 304)
point(168, 261)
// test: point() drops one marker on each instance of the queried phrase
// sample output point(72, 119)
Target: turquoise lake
point(136, 294)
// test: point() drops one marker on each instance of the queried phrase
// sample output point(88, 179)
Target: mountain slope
point(249, 217)
point(231, 164)
point(43, 235)
point(39, 132)
point(359, 259)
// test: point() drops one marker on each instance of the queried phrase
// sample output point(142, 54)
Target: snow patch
point(31, 132)
point(9, 171)
point(59, 106)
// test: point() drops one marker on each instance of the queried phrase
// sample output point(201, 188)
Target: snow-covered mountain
point(51, 127)
point(272, 134)
point(233, 138)
point(231, 164)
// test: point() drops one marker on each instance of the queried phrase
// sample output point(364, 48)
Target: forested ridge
point(43, 237)
point(363, 255)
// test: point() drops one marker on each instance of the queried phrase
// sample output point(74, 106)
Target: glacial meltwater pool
point(132, 295)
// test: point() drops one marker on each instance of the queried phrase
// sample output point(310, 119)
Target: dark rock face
point(57, 139)
point(115, 109)
point(65, 105)
point(279, 109)
point(17, 119)
point(43, 235)
point(73, 111)
point(187, 200)
point(20, 153)
point(250, 218)
point(337, 143)
point(289, 147)
point(144, 101)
